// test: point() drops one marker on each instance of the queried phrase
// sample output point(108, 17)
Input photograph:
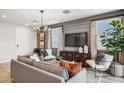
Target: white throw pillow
point(107, 60)
point(50, 57)
point(35, 57)
point(49, 51)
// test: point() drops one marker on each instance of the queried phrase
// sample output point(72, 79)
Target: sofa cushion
point(60, 71)
point(25, 60)
point(65, 65)
point(50, 57)
point(53, 62)
point(75, 68)
point(27, 56)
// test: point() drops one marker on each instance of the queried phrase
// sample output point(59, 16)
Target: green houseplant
point(113, 38)
point(37, 51)
point(59, 58)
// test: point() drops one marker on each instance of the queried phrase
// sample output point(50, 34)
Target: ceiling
point(51, 16)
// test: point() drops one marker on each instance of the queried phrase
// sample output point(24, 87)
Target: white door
point(26, 40)
point(7, 42)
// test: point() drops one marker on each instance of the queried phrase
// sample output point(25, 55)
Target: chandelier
point(37, 27)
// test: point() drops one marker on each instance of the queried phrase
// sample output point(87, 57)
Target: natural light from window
point(102, 26)
point(55, 37)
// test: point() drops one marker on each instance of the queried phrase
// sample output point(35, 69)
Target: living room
point(69, 38)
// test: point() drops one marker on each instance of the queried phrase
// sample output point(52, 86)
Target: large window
point(55, 36)
point(102, 26)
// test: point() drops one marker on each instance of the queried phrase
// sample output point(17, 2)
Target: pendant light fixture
point(40, 28)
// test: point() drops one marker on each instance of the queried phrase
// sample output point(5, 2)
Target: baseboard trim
point(4, 61)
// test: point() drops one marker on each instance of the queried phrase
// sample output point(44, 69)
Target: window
point(55, 36)
point(102, 26)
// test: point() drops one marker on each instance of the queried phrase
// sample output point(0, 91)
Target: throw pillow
point(35, 57)
point(106, 61)
point(99, 57)
point(71, 68)
point(66, 66)
point(44, 53)
point(74, 68)
point(58, 70)
point(49, 51)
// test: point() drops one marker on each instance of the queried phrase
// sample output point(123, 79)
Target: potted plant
point(37, 51)
point(59, 58)
point(113, 38)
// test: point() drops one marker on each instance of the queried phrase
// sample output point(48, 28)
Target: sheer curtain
point(93, 40)
point(60, 41)
point(48, 38)
point(121, 54)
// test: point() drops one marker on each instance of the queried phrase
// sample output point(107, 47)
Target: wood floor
point(5, 73)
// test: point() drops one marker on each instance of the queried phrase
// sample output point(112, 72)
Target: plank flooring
point(5, 73)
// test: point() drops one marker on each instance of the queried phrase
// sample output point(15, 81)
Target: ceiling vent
point(66, 11)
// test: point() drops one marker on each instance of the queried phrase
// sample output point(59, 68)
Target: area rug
point(106, 78)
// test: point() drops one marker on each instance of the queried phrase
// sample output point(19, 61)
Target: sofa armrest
point(24, 73)
point(80, 77)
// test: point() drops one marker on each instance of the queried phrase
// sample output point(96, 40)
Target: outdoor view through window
point(55, 36)
point(102, 26)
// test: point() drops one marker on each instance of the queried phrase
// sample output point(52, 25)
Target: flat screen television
point(76, 39)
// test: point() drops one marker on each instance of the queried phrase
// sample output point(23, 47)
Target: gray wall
point(83, 25)
point(13, 34)
point(75, 27)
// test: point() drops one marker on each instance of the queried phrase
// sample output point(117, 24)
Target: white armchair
point(50, 55)
point(103, 65)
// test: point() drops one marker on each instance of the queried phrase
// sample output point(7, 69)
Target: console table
point(76, 56)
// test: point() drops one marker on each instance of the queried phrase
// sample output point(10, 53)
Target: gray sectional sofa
point(25, 70)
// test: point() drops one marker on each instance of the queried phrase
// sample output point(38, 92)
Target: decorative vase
point(80, 50)
point(85, 49)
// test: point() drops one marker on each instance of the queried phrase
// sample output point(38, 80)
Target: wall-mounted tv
point(76, 39)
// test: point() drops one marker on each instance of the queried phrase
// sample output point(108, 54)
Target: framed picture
point(41, 36)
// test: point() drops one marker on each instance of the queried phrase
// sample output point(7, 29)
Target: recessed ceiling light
point(27, 24)
point(4, 16)
point(66, 11)
point(35, 22)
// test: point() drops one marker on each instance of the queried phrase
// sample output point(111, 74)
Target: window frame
point(120, 17)
point(51, 34)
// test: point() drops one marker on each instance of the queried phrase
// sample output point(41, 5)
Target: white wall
point(7, 41)
point(10, 36)
point(26, 38)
